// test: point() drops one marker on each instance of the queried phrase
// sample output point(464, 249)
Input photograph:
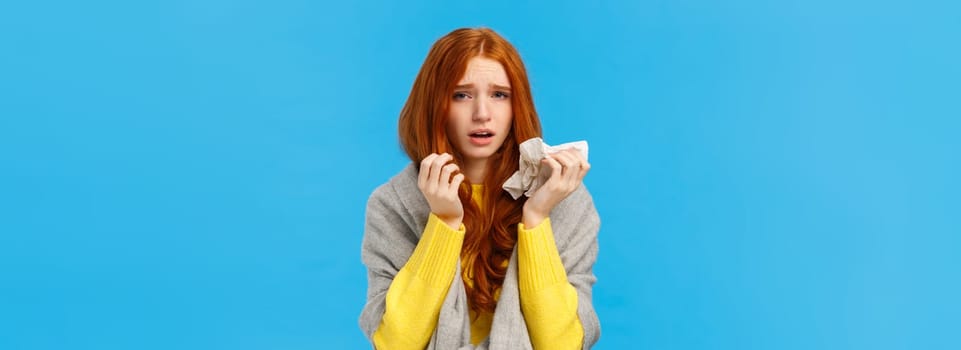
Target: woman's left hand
point(568, 168)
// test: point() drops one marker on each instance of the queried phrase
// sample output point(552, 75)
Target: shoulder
point(575, 219)
point(578, 202)
point(400, 193)
point(398, 185)
point(393, 222)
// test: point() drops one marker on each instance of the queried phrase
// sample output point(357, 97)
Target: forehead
point(483, 71)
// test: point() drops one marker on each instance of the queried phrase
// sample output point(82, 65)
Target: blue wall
point(193, 174)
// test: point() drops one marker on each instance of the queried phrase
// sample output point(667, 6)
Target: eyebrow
point(496, 87)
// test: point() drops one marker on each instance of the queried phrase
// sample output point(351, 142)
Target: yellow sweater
point(414, 299)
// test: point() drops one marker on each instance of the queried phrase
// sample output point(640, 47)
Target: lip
point(481, 141)
point(475, 131)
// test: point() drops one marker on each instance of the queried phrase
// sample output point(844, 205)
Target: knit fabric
point(397, 214)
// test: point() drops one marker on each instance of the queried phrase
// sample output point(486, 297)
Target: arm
point(548, 300)
point(570, 237)
point(397, 301)
point(416, 294)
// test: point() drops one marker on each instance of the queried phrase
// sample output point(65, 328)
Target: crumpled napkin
point(529, 177)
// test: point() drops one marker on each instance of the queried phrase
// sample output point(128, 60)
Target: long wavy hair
point(492, 228)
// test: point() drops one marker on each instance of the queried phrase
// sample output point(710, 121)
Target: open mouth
point(481, 137)
point(482, 134)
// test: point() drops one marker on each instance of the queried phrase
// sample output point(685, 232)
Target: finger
point(578, 156)
point(585, 166)
point(445, 173)
point(577, 164)
point(567, 161)
point(581, 165)
point(573, 172)
point(556, 167)
point(424, 173)
point(436, 164)
point(436, 168)
point(455, 183)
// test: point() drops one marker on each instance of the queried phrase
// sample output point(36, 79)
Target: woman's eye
point(460, 96)
point(501, 95)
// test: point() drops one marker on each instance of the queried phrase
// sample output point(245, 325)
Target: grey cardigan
point(396, 216)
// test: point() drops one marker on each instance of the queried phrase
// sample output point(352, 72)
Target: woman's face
point(480, 110)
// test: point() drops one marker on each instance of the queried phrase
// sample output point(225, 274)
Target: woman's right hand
point(439, 187)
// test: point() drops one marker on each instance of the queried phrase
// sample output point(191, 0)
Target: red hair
point(491, 229)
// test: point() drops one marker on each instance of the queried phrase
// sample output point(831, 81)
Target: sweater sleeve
point(548, 300)
point(416, 294)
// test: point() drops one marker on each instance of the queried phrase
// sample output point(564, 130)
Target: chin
point(480, 154)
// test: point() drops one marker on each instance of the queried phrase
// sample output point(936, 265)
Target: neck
point(475, 170)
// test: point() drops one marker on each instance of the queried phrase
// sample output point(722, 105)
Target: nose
point(481, 110)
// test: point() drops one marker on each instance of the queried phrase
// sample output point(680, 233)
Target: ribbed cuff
point(539, 262)
point(435, 258)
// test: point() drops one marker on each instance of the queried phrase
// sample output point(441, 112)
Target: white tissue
point(530, 176)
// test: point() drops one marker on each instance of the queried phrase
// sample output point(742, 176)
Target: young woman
point(454, 261)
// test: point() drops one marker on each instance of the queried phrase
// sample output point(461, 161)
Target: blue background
point(193, 174)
